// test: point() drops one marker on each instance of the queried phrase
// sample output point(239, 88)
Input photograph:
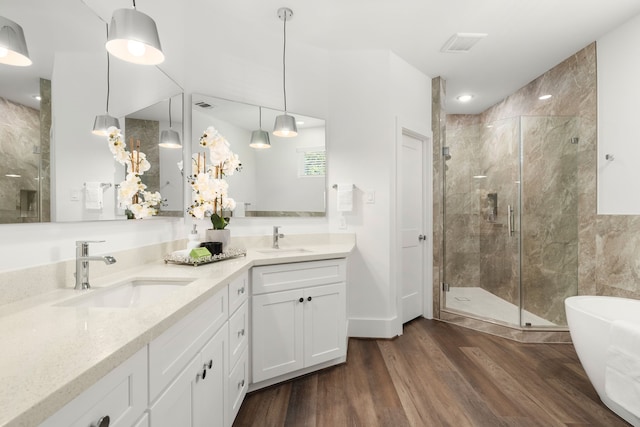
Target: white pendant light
point(169, 138)
point(133, 37)
point(13, 46)
point(260, 138)
point(285, 124)
point(104, 121)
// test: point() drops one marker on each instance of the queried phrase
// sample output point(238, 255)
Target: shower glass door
point(511, 220)
point(481, 221)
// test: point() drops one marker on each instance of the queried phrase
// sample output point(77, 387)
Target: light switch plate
point(75, 195)
point(370, 196)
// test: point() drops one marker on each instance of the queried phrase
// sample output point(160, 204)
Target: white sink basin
point(133, 293)
point(284, 251)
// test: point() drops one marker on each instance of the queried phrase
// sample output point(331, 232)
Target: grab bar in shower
point(510, 220)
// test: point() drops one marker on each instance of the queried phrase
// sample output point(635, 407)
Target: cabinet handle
point(241, 332)
point(241, 383)
point(210, 363)
point(241, 290)
point(301, 299)
point(204, 372)
point(309, 299)
point(102, 422)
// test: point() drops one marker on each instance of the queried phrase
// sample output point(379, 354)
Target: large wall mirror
point(49, 156)
point(287, 179)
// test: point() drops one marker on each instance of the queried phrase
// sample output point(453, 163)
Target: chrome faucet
point(276, 237)
point(82, 262)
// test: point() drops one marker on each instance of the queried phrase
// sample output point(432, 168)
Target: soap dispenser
point(193, 239)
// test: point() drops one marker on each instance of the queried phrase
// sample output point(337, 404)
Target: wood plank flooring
point(437, 374)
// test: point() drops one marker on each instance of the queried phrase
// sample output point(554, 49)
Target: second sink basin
point(133, 293)
point(283, 251)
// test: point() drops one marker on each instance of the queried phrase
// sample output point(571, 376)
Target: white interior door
point(412, 223)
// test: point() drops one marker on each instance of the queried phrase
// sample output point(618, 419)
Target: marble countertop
point(51, 353)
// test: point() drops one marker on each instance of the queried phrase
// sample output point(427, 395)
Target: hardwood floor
point(437, 374)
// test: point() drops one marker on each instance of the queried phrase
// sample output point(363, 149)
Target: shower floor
point(482, 303)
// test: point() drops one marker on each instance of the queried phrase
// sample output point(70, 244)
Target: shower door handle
point(510, 220)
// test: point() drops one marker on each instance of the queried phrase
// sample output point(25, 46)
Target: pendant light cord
point(169, 113)
point(260, 117)
point(108, 72)
point(284, 64)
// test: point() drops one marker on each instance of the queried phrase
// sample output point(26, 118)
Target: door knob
point(421, 237)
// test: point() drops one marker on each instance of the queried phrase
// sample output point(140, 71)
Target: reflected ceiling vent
point(203, 104)
point(462, 42)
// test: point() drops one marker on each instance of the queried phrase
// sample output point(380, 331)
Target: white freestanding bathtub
point(589, 319)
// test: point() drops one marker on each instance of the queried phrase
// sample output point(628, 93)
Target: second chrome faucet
point(276, 237)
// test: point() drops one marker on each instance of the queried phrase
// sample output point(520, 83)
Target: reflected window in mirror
point(287, 179)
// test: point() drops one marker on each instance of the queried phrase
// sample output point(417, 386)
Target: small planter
point(223, 236)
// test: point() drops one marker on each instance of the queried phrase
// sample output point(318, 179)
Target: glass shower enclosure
point(511, 220)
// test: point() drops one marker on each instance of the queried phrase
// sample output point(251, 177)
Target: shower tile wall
point(45, 150)
point(148, 133)
point(549, 215)
point(19, 148)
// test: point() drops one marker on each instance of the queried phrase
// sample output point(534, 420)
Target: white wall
point(359, 93)
point(618, 131)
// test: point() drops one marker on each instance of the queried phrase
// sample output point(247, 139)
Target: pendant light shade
point(285, 124)
point(133, 37)
point(170, 138)
point(103, 122)
point(260, 138)
point(13, 46)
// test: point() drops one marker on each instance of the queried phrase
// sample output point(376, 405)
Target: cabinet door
point(324, 323)
point(174, 406)
point(238, 334)
point(209, 391)
point(277, 334)
point(238, 385)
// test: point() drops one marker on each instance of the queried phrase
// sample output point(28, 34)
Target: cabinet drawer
point(171, 351)
point(238, 385)
point(238, 292)
point(121, 394)
point(238, 333)
point(272, 278)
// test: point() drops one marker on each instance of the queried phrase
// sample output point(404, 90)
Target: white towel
point(345, 198)
point(622, 370)
point(239, 211)
point(93, 195)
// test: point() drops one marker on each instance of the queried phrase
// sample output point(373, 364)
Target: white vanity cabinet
point(298, 318)
point(120, 395)
point(196, 365)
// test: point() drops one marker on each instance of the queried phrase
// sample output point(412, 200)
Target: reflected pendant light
point(260, 138)
point(13, 46)
point(285, 124)
point(133, 37)
point(169, 138)
point(104, 121)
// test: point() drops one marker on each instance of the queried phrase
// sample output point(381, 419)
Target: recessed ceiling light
point(543, 97)
point(465, 98)
point(37, 97)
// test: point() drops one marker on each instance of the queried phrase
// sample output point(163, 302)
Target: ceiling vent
point(462, 42)
point(203, 104)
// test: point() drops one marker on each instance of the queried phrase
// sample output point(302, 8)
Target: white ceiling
point(525, 37)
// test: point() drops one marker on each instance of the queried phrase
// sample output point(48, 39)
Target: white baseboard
point(374, 328)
